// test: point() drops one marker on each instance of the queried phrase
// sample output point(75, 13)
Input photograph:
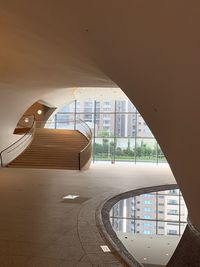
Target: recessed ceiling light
point(26, 120)
point(70, 196)
point(167, 254)
point(39, 111)
point(145, 259)
point(105, 248)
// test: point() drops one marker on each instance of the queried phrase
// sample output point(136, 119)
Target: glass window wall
point(150, 214)
point(119, 131)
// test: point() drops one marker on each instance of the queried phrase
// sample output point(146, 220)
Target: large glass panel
point(125, 125)
point(80, 116)
point(104, 127)
point(146, 150)
point(143, 130)
point(183, 210)
point(118, 209)
point(105, 106)
point(85, 106)
point(88, 118)
point(167, 228)
point(131, 107)
point(123, 225)
point(122, 106)
point(161, 228)
point(150, 214)
point(121, 123)
point(64, 120)
point(68, 108)
point(171, 192)
point(113, 118)
point(119, 225)
point(145, 207)
point(161, 156)
point(104, 149)
point(172, 228)
point(182, 228)
point(145, 227)
point(125, 149)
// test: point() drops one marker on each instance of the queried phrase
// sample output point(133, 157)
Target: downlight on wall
point(39, 111)
point(26, 120)
point(70, 197)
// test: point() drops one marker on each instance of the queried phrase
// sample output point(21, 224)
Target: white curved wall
point(150, 49)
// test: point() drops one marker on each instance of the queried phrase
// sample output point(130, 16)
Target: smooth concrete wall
point(15, 102)
point(151, 49)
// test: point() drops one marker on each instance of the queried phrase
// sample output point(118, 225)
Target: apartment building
point(160, 213)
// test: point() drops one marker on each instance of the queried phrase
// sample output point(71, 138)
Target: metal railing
point(77, 124)
point(85, 155)
point(11, 152)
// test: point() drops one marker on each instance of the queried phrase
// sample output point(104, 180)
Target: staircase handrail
point(85, 126)
point(86, 153)
point(21, 141)
point(84, 129)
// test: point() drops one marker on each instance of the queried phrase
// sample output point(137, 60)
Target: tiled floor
point(38, 229)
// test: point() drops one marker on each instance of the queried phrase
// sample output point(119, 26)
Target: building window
point(172, 212)
point(147, 224)
point(172, 232)
point(172, 202)
point(147, 209)
point(147, 232)
point(118, 120)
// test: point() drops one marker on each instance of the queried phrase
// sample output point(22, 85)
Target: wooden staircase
point(52, 149)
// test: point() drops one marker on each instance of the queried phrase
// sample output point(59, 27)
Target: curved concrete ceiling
point(150, 49)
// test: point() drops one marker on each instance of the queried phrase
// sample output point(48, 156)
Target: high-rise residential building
point(159, 213)
point(127, 121)
point(119, 131)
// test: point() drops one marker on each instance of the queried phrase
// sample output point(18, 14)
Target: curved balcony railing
point(77, 124)
point(11, 152)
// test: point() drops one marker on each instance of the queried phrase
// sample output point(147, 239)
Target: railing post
point(75, 104)
point(79, 159)
point(1, 160)
point(94, 137)
point(55, 121)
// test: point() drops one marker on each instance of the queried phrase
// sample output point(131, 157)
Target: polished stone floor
point(38, 228)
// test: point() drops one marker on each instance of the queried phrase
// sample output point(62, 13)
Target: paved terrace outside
point(38, 229)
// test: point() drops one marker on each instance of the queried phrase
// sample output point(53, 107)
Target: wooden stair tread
point(52, 148)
